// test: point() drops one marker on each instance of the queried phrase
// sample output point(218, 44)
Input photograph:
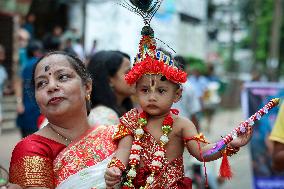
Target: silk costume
point(171, 175)
point(82, 164)
point(41, 162)
point(32, 162)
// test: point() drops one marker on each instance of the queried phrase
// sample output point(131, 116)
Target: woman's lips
point(55, 100)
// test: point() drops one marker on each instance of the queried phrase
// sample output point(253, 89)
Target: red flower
point(168, 121)
point(150, 65)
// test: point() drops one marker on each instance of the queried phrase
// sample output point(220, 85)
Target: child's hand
point(112, 176)
point(242, 139)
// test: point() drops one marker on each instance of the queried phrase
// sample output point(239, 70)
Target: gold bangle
point(115, 162)
point(229, 151)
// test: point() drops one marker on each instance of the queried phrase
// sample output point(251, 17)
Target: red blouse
point(32, 161)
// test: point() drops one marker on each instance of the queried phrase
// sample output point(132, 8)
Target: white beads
point(250, 122)
point(159, 153)
point(132, 173)
point(150, 180)
point(164, 139)
point(139, 131)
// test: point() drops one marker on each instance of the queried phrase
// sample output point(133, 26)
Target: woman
point(110, 96)
point(66, 153)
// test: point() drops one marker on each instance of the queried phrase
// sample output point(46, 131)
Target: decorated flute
point(242, 128)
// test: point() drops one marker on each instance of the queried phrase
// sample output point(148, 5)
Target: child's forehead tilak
point(151, 82)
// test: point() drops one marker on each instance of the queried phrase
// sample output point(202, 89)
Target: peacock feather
point(144, 8)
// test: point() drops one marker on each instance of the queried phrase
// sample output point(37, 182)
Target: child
point(159, 134)
point(3, 78)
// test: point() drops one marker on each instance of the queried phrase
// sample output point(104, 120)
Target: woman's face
point(118, 82)
point(58, 88)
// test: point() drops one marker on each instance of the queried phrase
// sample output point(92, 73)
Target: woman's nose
point(52, 85)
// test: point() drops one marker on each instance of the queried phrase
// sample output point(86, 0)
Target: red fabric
point(89, 150)
point(140, 179)
point(143, 173)
point(171, 172)
point(185, 183)
point(31, 162)
point(40, 120)
point(37, 145)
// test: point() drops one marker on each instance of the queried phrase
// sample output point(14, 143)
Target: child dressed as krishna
point(159, 134)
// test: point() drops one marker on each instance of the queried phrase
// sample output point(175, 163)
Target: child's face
point(156, 96)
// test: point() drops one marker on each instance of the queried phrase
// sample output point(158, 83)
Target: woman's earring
point(88, 97)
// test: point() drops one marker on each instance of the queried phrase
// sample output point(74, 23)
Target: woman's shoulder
point(31, 163)
point(36, 145)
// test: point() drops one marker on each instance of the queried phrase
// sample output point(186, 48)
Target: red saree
point(91, 153)
point(31, 162)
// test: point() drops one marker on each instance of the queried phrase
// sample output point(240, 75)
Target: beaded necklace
point(136, 149)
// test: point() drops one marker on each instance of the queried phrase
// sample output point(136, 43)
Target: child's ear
point(178, 95)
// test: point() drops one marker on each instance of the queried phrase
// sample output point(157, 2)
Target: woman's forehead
point(53, 62)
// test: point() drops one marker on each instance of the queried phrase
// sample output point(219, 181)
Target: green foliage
point(196, 64)
point(258, 16)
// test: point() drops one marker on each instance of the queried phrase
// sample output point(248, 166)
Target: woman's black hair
point(102, 66)
point(76, 64)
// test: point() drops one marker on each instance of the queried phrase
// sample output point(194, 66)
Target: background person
point(277, 136)
point(110, 96)
point(28, 111)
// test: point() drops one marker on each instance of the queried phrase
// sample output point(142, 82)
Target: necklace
point(136, 150)
point(60, 135)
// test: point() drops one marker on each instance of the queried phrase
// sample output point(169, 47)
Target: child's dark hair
point(76, 64)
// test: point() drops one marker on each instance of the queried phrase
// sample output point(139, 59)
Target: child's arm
point(119, 162)
point(197, 147)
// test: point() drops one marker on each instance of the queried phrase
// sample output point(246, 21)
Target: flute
point(242, 128)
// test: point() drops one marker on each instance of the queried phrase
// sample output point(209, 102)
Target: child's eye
point(161, 91)
point(144, 90)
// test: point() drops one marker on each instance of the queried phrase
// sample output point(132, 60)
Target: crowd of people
point(96, 134)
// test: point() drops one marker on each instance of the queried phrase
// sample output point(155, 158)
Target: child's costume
point(167, 174)
point(157, 171)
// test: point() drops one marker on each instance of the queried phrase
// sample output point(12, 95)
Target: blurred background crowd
point(222, 44)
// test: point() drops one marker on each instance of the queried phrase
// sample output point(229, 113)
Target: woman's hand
point(242, 139)
point(112, 176)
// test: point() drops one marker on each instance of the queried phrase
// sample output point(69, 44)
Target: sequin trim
point(120, 131)
point(32, 171)
point(90, 150)
point(171, 172)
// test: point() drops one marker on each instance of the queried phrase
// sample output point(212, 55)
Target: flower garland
point(136, 149)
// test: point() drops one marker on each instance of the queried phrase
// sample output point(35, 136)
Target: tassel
point(225, 169)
